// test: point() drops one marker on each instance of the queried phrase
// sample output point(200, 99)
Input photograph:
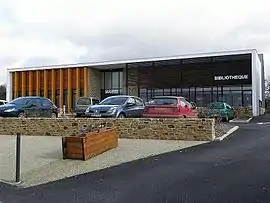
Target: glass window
point(36, 102)
point(115, 79)
point(185, 93)
point(227, 97)
point(247, 98)
point(192, 94)
point(207, 95)
point(74, 97)
point(139, 102)
point(121, 78)
point(158, 92)
point(57, 98)
point(81, 92)
point(42, 93)
point(102, 80)
point(114, 101)
point(167, 92)
point(199, 97)
point(236, 98)
point(108, 80)
point(216, 105)
point(95, 101)
point(182, 103)
point(131, 100)
point(84, 101)
point(163, 101)
point(65, 99)
point(19, 101)
point(46, 103)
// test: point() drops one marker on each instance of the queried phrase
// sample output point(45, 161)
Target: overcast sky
point(45, 32)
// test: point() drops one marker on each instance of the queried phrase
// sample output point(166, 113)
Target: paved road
point(234, 170)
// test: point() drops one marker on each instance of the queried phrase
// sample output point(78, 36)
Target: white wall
point(9, 86)
point(256, 83)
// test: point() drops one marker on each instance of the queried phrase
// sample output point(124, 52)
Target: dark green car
point(222, 109)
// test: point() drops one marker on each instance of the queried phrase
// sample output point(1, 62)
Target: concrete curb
point(11, 183)
point(240, 121)
point(232, 130)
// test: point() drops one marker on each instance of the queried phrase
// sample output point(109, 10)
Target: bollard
point(18, 157)
point(64, 110)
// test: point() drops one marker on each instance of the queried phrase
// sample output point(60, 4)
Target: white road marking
point(263, 123)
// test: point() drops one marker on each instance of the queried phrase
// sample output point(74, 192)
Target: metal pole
point(18, 157)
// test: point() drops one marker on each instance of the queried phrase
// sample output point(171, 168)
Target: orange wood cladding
point(34, 82)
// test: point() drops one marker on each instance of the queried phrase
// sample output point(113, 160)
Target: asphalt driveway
point(234, 170)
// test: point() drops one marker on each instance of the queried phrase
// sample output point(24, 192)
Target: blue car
point(120, 106)
point(18, 106)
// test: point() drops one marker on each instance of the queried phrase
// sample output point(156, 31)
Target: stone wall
point(140, 128)
point(244, 112)
point(94, 77)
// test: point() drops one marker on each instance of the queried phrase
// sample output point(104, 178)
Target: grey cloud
point(40, 61)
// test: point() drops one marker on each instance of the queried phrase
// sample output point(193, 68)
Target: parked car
point(120, 106)
point(18, 106)
point(82, 103)
point(3, 102)
point(169, 106)
point(221, 109)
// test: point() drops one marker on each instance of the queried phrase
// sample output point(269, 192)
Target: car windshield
point(216, 106)
point(163, 101)
point(19, 101)
point(114, 101)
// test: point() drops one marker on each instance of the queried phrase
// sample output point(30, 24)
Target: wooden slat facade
point(47, 83)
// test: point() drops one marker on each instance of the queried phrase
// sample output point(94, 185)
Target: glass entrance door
point(112, 83)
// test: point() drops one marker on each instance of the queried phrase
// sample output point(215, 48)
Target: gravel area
point(42, 157)
point(222, 128)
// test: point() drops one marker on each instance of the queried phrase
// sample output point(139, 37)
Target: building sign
point(112, 91)
point(231, 77)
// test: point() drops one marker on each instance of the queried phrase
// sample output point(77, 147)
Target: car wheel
point(21, 115)
point(54, 115)
point(121, 115)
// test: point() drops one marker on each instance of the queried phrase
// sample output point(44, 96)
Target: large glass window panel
point(57, 98)
point(237, 98)
point(108, 80)
point(227, 97)
point(167, 92)
point(158, 92)
point(199, 97)
point(115, 79)
point(192, 94)
point(207, 96)
point(102, 80)
point(121, 78)
point(174, 92)
point(73, 101)
point(215, 94)
point(247, 87)
point(178, 91)
point(185, 93)
point(247, 98)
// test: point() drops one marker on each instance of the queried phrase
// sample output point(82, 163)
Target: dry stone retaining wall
point(140, 128)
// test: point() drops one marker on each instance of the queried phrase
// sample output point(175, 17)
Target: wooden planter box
point(89, 145)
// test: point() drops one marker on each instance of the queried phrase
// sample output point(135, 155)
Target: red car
point(169, 107)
